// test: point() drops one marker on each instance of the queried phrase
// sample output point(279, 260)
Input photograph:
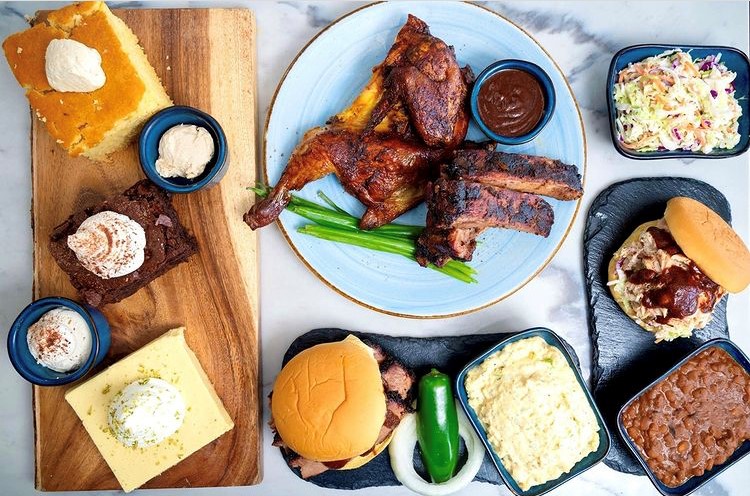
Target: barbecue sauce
point(511, 102)
point(678, 289)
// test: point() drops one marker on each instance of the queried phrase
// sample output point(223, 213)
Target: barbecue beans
point(692, 420)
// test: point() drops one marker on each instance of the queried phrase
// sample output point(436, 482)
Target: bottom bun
point(360, 460)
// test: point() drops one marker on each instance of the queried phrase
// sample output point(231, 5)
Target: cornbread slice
point(169, 358)
point(100, 122)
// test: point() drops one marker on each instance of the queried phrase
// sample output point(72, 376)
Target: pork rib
point(458, 211)
point(527, 173)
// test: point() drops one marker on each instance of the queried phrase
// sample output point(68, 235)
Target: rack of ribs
point(527, 173)
point(458, 211)
point(480, 189)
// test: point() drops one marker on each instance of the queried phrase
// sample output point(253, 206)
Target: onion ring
point(401, 451)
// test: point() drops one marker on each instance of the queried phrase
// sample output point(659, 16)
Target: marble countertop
point(581, 37)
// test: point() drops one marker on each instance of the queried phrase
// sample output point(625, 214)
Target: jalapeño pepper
point(437, 426)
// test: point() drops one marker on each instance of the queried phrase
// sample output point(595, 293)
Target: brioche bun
point(328, 403)
point(612, 276)
point(710, 242)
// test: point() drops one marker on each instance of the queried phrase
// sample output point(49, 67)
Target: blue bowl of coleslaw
point(690, 105)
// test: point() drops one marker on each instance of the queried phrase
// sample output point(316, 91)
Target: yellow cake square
point(168, 358)
point(96, 123)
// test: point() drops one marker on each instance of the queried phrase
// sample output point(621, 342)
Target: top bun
point(328, 402)
point(709, 242)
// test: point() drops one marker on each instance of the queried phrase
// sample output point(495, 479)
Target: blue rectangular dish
point(589, 461)
point(693, 483)
point(735, 60)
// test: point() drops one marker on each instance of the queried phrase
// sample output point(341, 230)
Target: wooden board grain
point(206, 59)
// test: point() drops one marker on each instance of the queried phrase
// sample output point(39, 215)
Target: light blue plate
point(323, 80)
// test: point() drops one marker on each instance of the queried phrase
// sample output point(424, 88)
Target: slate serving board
point(625, 357)
point(448, 354)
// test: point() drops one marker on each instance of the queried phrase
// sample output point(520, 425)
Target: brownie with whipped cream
point(111, 250)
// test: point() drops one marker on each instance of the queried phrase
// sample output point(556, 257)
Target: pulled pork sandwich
point(335, 405)
point(670, 274)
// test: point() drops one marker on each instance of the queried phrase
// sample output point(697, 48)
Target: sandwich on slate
point(336, 405)
point(670, 274)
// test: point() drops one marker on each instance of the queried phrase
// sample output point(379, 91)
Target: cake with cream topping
point(86, 121)
point(115, 248)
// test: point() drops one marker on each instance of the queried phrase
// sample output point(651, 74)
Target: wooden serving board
point(206, 59)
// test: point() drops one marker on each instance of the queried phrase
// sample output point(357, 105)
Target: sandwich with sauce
point(336, 405)
point(670, 274)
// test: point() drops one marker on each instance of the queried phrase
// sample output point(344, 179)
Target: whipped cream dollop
point(184, 151)
point(146, 412)
point(60, 340)
point(71, 66)
point(109, 244)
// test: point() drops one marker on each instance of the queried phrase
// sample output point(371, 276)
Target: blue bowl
point(27, 366)
point(161, 122)
point(586, 463)
point(735, 60)
point(693, 483)
point(549, 99)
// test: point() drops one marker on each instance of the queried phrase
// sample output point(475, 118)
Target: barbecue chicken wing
point(383, 147)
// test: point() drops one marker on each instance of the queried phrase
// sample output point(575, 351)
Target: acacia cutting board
point(205, 58)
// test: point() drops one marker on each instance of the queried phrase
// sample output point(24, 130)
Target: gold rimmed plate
point(323, 79)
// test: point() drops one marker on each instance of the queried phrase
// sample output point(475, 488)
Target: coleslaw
point(672, 102)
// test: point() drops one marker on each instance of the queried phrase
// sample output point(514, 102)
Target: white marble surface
point(581, 37)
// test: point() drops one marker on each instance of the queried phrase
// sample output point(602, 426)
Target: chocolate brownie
point(167, 243)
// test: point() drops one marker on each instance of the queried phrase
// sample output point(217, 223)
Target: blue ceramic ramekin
point(693, 483)
point(549, 99)
point(27, 366)
point(161, 122)
point(735, 60)
point(586, 463)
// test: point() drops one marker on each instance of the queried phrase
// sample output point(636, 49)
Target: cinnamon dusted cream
point(60, 340)
point(109, 244)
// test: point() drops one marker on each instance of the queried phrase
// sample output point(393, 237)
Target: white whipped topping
point(74, 67)
point(109, 244)
point(184, 151)
point(146, 412)
point(60, 340)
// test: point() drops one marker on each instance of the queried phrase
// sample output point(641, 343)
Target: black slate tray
point(449, 354)
point(625, 357)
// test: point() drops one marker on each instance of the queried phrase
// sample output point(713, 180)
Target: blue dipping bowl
point(161, 122)
point(735, 60)
point(586, 463)
point(27, 366)
point(693, 483)
point(547, 88)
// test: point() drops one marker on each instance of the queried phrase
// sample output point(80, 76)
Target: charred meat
point(458, 211)
point(528, 173)
point(408, 118)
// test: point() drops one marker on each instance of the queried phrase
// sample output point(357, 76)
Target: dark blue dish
point(161, 122)
point(549, 99)
point(693, 483)
point(735, 60)
point(24, 362)
point(580, 467)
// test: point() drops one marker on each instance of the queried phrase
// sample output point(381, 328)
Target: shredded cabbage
point(672, 102)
